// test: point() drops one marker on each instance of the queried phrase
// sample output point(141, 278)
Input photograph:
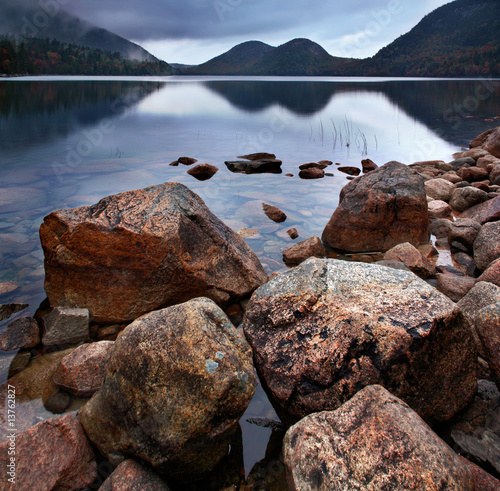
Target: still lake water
point(70, 141)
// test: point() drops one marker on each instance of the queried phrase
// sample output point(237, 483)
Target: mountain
point(237, 61)
point(27, 19)
point(295, 58)
point(461, 38)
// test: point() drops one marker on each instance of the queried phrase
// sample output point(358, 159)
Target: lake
point(70, 141)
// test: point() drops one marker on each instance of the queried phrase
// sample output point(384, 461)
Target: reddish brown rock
point(478, 174)
point(413, 258)
point(312, 173)
point(82, 372)
point(301, 251)
point(379, 210)
point(20, 333)
point(483, 481)
point(439, 209)
point(467, 197)
point(439, 189)
point(258, 156)
point(203, 172)
point(141, 250)
point(453, 286)
point(274, 213)
point(186, 160)
point(293, 233)
point(178, 381)
point(492, 273)
point(487, 245)
point(312, 165)
point(352, 171)
point(368, 165)
point(488, 329)
point(327, 328)
point(489, 141)
point(54, 454)
point(489, 211)
point(372, 442)
point(132, 476)
point(464, 231)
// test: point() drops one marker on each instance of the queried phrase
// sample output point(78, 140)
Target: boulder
point(489, 141)
point(487, 245)
point(464, 198)
point(132, 476)
point(372, 442)
point(203, 172)
point(303, 250)
point(176, 385)
point(53, 454)
point(20, 333)
point(492, 273)
point(413, 258)
point(453, 286)
point(489, 211)
point(439, 209)
point(271, 166)
point(464, 231)
point(440, 189)
point(65, 325)
point(379, 210)
point(325, 329)
point(82, 372)
point(312, 173)
point(142, 250)
point(488, 329)
point(273, 213)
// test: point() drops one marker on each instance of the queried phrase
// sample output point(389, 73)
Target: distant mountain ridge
point(27, 19)
point(461, 38)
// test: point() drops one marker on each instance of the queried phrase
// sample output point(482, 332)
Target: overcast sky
point(193, 31)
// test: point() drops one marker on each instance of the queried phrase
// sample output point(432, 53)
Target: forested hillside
point(51, 57)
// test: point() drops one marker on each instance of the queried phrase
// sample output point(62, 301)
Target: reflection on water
point(68, 144)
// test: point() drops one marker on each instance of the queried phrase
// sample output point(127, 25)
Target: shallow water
point(70, 141)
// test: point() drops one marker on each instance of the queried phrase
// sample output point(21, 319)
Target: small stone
point(132, 476)
point(9, 309)
point(248, 233)
point(186, 160)
point(293, 233)
point(368, 165)
point(439, 209)
point(301, 251)
point(20, 333)
point(439, 189)
point(274, 213)
point(312, 173)
point(464, 231)
point(413, 258)
point(352, 171)
point(325, 162)
point(65, 325)
point(110, 333)
point(203, 172)
point(467, 197)
point(312, 165)
point(258, 156)
point(58, 402)
point(454, 287)
point(7, 287)
point(487, 245)
point(440, 228)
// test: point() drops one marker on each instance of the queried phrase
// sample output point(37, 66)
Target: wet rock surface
point(176, 385)
point(142, 250)
point(374, 441)
point(327, 328)
point(303, 250)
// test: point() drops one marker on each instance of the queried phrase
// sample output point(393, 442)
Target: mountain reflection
point(34, 112)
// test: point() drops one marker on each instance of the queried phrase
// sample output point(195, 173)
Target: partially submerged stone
point(20, 333)
point(379, 210)
point(372, 442)
point(141, 250)
point(325, 329)
point(176, 385)
point(65, 325)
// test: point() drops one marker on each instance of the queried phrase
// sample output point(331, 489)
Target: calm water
point(67, 142)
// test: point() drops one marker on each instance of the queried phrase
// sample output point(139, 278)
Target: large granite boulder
point(489, 141)
point(325, 329)
point(54, 454)
point(379, 210)
point(373, 442)
point(138, 251)
point(177, 382)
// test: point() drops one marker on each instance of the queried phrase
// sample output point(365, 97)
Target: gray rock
point(65, 325)
point(20, 333)
point(457, 164)
point(177, 383)
point(325, 329)
point(464, 231)
point(373, 442)
point(487, 245)
point(440, 228)
point(467, 197)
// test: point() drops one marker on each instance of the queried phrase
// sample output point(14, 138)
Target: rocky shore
point(384, 370)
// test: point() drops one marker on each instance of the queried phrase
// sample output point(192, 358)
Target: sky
point(194, 31)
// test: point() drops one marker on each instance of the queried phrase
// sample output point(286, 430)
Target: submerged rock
point(379, 210)
point(141, 250)
point(372, 442)
point(20, 333)
point(274, 213)
point(325, 329)
point(177, 383)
